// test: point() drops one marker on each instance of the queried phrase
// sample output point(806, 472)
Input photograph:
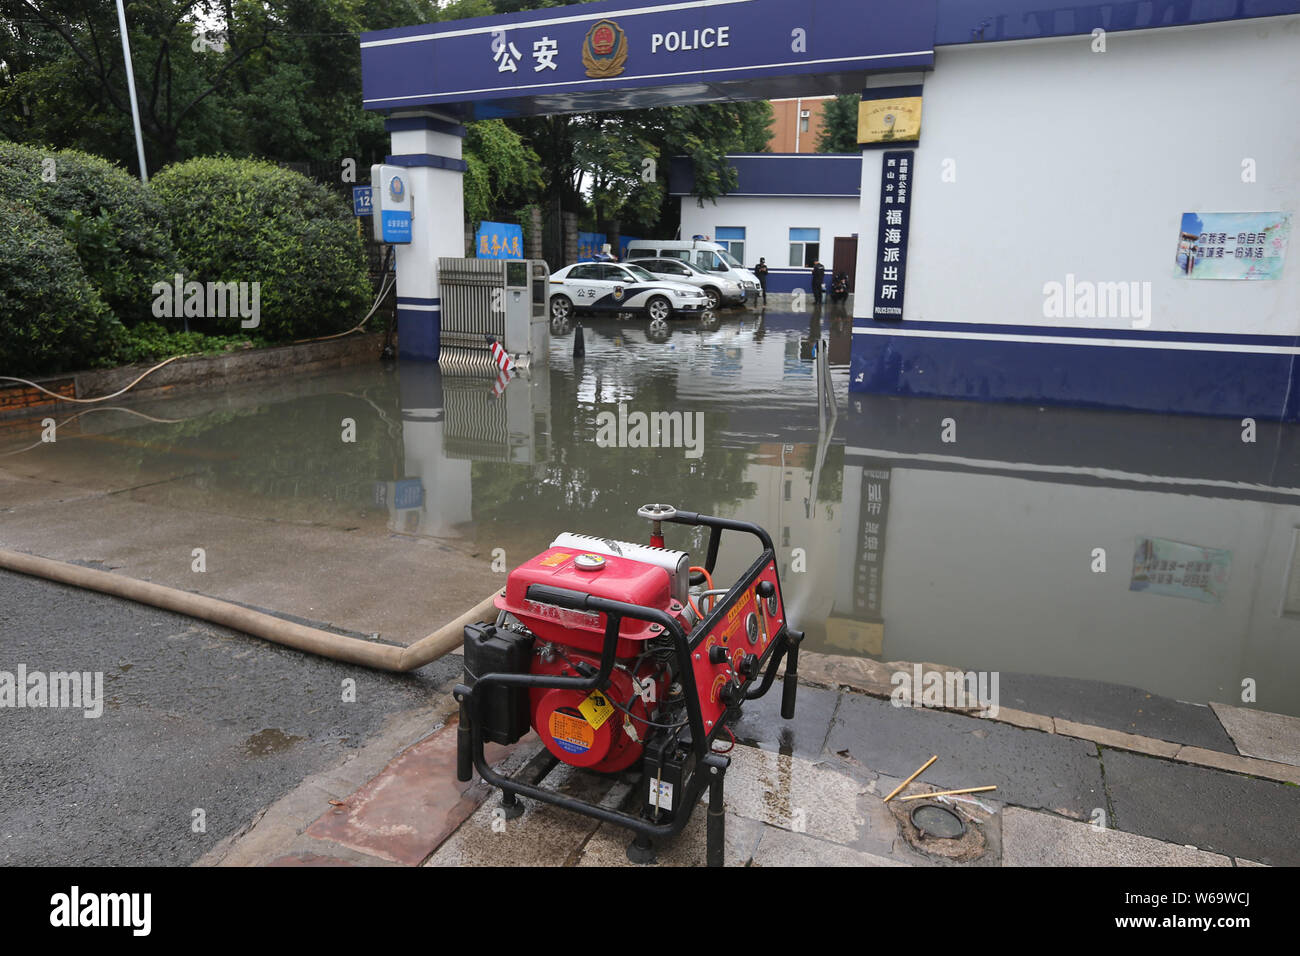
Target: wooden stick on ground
point(946, 793)
point(910, 779)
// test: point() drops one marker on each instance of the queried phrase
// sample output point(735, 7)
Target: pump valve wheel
point(656, 512)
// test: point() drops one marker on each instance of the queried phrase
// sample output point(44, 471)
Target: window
point(612, 273)
point(732, 239)
point(672, 267)
point(585, 271)
point(708, 260)
point(805, 247)
point(684, 254)
point(803, 121)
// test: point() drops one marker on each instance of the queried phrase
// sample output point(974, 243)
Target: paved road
point(195, 717)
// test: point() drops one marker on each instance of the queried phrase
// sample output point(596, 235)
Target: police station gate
point(1062, 165)
point(598, 56)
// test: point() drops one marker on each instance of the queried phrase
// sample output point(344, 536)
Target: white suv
point(719, 289)
point(620, 287)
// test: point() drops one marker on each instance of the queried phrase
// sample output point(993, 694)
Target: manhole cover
point(934, 820)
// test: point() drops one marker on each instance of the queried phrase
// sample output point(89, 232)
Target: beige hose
point(388, 657)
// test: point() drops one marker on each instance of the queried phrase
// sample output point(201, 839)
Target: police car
point(620, 287)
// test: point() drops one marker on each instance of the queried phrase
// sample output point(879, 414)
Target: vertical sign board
point(391, 203)
point(891, 237)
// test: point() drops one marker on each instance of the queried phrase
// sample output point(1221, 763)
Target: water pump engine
point(623, 657)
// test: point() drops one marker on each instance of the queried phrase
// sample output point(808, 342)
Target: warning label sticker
point(559, 557)
point(596, 708)
point(661, 794)
point(571, 732)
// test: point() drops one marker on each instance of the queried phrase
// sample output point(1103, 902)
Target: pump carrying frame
point(711, 768)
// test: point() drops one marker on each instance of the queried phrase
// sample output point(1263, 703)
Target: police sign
point(619, 54)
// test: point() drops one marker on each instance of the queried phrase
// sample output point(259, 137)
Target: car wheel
point(714, 297)
point(659, 309)
point(561, 307)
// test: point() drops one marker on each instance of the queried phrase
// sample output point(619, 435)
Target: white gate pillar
point(428, 144)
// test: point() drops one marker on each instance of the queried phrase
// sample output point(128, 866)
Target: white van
point(700, 253)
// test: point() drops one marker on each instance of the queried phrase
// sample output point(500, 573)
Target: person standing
point(760, 271)
point(818, 281)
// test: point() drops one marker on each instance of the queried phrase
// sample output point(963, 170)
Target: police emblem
point(396, 188)
point(618, 292)
point(604, 51)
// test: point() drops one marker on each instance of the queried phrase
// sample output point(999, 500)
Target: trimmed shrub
point(241, 220)
point(51, 317)
point(115, 223)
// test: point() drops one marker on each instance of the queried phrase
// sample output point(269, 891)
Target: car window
point(614, 273)
point(678, 268)
point(640, 273)
point(583, 272)
point(676, 253)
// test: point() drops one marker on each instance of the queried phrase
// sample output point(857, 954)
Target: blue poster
point(589, 245)
point(499, 240)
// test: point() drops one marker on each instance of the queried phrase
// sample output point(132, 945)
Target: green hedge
point(115, 223)
point(240, 220)
point(51, 317)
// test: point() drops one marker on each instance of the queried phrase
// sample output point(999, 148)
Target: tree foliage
point(281, 80)
point(839, 132)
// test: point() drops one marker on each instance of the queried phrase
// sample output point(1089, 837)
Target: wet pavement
point(1116, 570)
point(200, 728)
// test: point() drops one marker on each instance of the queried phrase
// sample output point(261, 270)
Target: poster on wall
point(891, 235)
point(1180, 570)
point(1232, 245)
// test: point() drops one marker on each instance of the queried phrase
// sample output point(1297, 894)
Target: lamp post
point(130, 85)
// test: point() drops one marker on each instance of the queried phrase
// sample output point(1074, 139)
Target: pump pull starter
point(602, 648)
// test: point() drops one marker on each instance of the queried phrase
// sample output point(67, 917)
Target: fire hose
point(340, 647)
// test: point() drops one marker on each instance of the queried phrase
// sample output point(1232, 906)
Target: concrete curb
point(226, 369)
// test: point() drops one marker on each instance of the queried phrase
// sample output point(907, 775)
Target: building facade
point(796, 124)
point(788, 209)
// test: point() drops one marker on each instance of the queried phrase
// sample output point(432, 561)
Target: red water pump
point(624, 657)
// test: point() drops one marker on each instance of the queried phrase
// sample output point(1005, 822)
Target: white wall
point(767, 221)
point(1069, 161)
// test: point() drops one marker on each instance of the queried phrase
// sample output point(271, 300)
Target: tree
point(839, 132)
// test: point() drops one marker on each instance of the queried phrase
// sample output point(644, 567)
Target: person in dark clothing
point(818, 281)
point(760, 272)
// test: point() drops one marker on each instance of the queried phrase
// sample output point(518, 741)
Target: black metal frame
point(712, 767)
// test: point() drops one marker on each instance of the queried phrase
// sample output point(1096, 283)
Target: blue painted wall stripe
point(1140, 376)
point(427, 160)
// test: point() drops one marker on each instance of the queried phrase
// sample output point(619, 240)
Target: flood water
point(1156, 552)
